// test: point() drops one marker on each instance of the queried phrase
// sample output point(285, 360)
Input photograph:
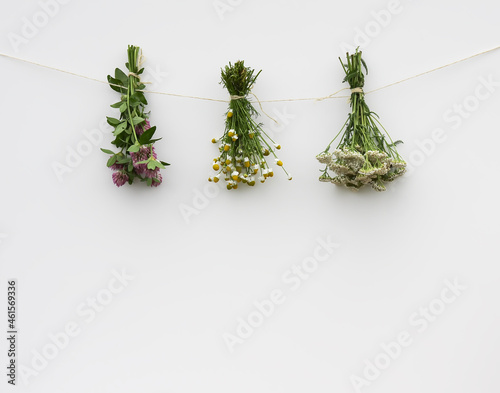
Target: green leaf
point(117, 105)
point(120, 75)
point(134, 148)
point(130, 167)
point(142, 162)
point(134, 102)
point(111, 160)
point(112, 121)
point(114, 81)
point(159, 165)
point(120, 128)
point(364, 65)
point(140, 96)
point(107, 151)
point(119, 142)
point(165, 163)
point(146, 137)
point(149, 181)
point(136, 120)
point(152, 165)
point(123, 107)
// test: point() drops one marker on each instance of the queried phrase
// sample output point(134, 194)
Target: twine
point(333, 95)
point(234, 98)
point(357, 90)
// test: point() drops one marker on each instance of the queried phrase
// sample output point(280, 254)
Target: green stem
point(131, 86)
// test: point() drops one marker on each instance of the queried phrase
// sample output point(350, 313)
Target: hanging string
point(333, 95)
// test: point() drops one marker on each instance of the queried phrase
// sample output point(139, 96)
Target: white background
point(195, 276)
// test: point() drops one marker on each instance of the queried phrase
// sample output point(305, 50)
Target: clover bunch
point(136, 157)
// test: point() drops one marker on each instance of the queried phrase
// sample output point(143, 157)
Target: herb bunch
point(133, 133)
point(363, 156)
point(245, 145)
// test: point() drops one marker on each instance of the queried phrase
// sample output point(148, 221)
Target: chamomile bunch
point(365, 154)
point(244, 147)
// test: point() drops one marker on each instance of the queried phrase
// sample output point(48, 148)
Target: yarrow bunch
point(363, 155)
point(133, 132)
point(245, 145)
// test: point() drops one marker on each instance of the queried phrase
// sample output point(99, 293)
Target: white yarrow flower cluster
point(353, 169)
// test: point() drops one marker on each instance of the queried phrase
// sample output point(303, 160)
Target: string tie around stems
point(236, 97)
point(355, 90)
point(139, 79)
